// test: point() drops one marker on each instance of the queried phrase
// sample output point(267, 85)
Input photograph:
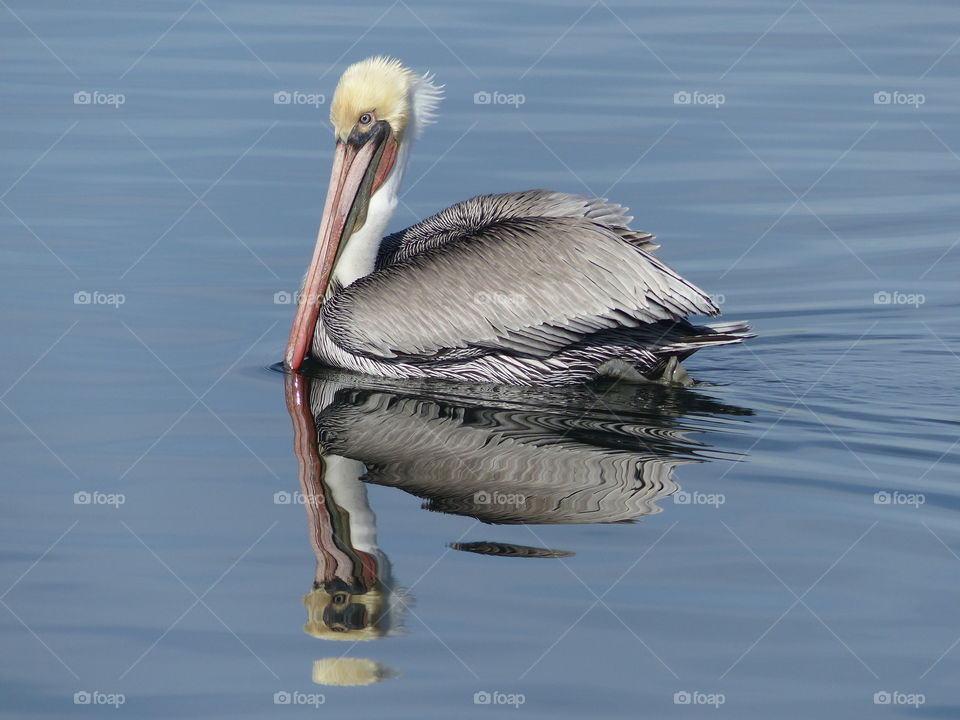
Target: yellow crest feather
point(380, 85)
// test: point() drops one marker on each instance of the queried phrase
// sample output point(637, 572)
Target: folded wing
point(523, 273)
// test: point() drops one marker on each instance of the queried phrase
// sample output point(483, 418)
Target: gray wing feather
point(489, 273)
point(467, 217)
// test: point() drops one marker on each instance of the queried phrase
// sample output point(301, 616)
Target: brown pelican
point(524, 288)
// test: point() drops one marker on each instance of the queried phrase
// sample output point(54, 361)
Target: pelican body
point(522, 288)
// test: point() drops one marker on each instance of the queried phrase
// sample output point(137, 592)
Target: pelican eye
point(366, 119)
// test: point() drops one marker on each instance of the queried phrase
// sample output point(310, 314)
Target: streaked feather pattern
point(527, 287)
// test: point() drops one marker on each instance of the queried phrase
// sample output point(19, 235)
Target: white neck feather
point(342, 477)
point(358, 258)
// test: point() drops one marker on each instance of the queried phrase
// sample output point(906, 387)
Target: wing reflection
point(501, 459)
point(502, 456)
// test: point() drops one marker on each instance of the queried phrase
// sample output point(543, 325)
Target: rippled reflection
point(502, 456)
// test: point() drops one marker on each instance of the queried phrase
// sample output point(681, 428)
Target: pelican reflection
point(502, 456)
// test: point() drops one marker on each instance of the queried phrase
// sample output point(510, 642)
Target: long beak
point(360, 165)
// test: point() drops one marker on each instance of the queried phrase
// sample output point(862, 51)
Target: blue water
point(802, 554)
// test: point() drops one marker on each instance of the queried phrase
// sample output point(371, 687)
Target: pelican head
point(379, 106)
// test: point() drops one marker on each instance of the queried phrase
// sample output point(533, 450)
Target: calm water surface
point(779, 541)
